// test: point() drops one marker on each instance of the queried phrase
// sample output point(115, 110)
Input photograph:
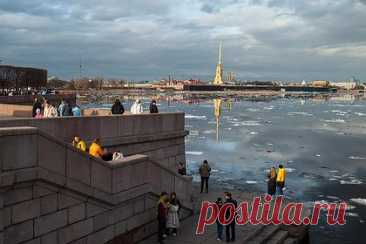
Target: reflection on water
point(321, 140)
point(217, 113)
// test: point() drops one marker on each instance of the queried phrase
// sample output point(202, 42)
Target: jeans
point(220, 229)
point(204, 180)
point(279, 190)
point(230, 228)
point(162, 229)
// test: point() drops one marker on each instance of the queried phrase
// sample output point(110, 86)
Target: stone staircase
point(247, 234)
point(269, 234)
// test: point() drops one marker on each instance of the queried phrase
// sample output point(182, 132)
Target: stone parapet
point(51, 192)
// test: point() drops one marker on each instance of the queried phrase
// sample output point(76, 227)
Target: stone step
point(291, 241)
point(278, 238)
point(249, 232)
point(264, 235)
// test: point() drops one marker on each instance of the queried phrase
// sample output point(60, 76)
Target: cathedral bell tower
point(219, 68)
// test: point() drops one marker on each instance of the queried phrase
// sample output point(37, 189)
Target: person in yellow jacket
point(96, 149)
point(280, 181)
point(79, 143)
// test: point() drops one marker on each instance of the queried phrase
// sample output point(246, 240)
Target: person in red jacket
point(163, 206)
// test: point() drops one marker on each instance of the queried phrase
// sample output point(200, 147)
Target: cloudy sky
point(149, 39)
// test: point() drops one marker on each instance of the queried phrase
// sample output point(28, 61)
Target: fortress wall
point(52, 193)
point(159, 136)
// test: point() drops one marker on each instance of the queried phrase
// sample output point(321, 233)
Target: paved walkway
point(187, 232)
point(248, 234)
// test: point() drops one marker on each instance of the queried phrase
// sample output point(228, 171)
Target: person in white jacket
point(136, 107)
point(49, 110)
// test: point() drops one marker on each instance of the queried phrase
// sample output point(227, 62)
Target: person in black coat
point(117, 107)
point(36, 105)
point(230, 228)
point(153, 107)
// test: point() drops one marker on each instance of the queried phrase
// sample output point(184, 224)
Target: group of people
point(276, 180)
point(136, 108)
point(42, 108)
point(230, 228)
point(96, 150)
point(168, 215)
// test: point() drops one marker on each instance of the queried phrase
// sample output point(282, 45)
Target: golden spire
point(219, 68)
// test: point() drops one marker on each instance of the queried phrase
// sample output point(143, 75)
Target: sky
point(151, 39)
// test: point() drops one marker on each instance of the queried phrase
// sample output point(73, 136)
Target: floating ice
point(333, 171)
point(251, 182)
point(361, 201)
point(250, 123)
point(194, 132)
point(190, 116)
point(356, 157)
point(317, 155)
point(289, 170)
point(350, 214)
point(252, 109)
point(360, 114)
point(332, 197)
point(300, 113)
point(335, 121)
point(253, 133)
point(194, 153)
point(351, 182)
point(339, 112)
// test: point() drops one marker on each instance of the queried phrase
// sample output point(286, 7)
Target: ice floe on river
point(335, 121)
point(300, 113)
point(190, 116)
point(195, 153)
point(356, 157)
point(361, 201)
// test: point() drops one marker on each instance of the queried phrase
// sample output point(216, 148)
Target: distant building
point(320, 83)
point(347, 85)
point(178, 84)
point(17, 78)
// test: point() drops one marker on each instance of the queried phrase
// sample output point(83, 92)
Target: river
point(321, 141)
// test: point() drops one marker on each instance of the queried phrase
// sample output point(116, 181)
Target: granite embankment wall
point(159, 136)
point(25, 111)
point(52, 193)
point(28, 99)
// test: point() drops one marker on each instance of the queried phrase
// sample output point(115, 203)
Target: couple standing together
point(276, 180)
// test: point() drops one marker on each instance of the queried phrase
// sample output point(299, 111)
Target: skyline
point(267, 39)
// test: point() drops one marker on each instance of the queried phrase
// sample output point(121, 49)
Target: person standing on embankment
point(117, 107)
point(204, 171)
point(153, 107)
point(280, 181)
point(136, 107)
point(272, 177)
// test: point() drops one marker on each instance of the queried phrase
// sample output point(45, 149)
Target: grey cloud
point(144, 39)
